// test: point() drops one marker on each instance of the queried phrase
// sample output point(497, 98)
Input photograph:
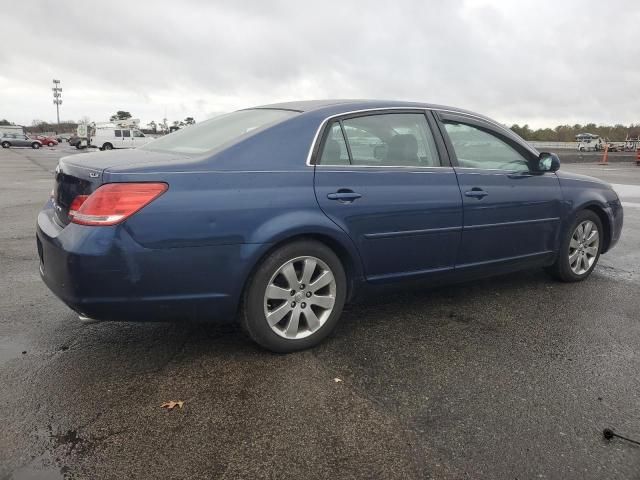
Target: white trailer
point(19, 129)
point(588, 142)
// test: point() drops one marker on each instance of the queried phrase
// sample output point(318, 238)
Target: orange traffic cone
point(605, 157)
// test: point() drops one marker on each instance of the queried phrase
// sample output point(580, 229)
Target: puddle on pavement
point(40, 468)
point(10, 348)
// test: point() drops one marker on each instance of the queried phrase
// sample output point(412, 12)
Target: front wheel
point(295, 298)
point(35, 145)
point(6, 144)
point(580, 249)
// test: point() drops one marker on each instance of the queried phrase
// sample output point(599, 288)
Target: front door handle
point(476, 192)
point(344, 195)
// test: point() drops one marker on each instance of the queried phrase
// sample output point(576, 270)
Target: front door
point(511, 211)
point(380, 177)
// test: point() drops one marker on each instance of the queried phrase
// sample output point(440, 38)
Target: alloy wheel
point(583, 247)
point(300, 297)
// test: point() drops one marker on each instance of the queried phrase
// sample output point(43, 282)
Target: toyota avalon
point(278, 215)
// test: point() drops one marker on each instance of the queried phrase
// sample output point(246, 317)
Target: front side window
point(126, 133)
point(394, 139)
point(138, 133)
point(477, 148)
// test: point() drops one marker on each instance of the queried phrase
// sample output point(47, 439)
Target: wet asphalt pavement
point(513, 377)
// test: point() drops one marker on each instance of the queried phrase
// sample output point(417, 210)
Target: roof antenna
point(609, 434)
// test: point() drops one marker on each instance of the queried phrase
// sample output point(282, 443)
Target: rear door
point(511, 211)
point(384, 178)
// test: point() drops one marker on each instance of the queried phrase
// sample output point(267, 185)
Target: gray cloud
point(537, 62)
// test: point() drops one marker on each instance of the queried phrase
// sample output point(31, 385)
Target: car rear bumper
point(103, 274)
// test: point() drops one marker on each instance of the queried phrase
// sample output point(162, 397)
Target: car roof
point(347, 105)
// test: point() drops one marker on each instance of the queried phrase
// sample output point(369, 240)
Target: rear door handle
point(476, 193)
point(344, 196)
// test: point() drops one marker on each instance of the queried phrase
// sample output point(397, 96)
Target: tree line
point(561, 133)
point(567, 133)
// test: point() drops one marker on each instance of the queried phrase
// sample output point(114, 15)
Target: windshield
point(213, 133)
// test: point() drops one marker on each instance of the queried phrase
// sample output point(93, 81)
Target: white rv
point(107, 136)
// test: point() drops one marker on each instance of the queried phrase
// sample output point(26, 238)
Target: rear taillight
point(112, 203)
point(76, 204)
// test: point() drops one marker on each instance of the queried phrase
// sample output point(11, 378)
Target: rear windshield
point(213, 133)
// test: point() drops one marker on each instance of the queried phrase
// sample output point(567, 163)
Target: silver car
point(18, 140)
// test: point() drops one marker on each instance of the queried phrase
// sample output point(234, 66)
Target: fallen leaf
point(337, 380)
point(170, 405)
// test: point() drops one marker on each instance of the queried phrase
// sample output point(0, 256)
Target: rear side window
point(219, 131)
point(394, 140)
point(335, 150)
point(477, 148)
point(118, 133)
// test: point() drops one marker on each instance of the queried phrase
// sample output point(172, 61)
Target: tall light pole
point(57, 98)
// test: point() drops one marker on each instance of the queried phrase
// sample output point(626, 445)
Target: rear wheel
point(295, 298)
point(6, 144)
point(35, 145)
point(107, 146)
point(51, 144)
point(580, 248)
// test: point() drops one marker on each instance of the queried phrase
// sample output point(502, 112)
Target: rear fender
point(305, 223)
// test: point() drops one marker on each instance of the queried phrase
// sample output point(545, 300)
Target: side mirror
point(548, 162)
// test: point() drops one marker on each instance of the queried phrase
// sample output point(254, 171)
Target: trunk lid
point(82, 174)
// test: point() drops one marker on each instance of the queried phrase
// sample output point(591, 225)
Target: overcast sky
point(537, 62)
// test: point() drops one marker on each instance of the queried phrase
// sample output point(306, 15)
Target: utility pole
point(57, 98)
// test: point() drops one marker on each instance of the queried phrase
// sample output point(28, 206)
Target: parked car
point(48, 141)
point(18, 140)
point(63, 137)
point(613, 147)
point(74, 141)
point(278, 215)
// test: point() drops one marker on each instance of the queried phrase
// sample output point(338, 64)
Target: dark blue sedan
point(278, 215)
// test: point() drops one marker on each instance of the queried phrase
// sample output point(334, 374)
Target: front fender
point(585, 193)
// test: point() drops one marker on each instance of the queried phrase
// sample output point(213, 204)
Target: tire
point(6, 144)
point(107, 146)
point(317, 309)
point(51, 144)
point(35, 145)
point(566, 270)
